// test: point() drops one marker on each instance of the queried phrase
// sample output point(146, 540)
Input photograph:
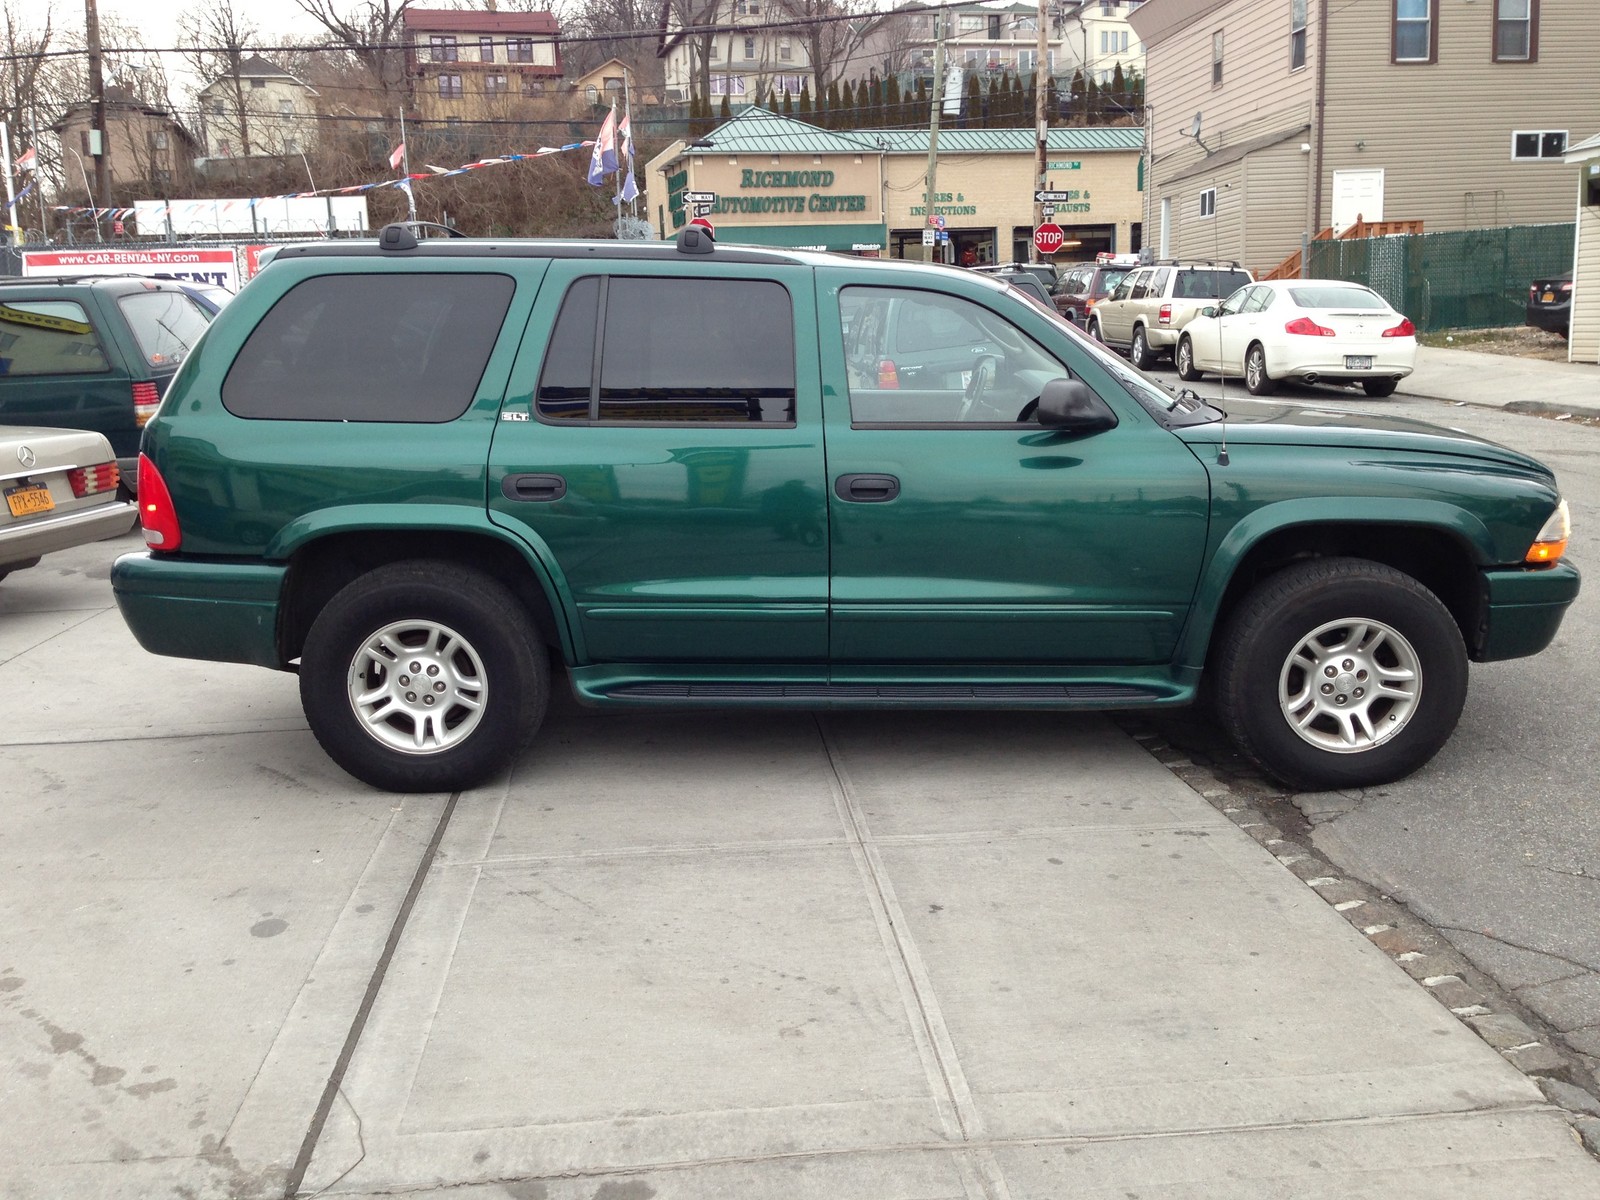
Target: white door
point(1166, 226)
point(1357, 195)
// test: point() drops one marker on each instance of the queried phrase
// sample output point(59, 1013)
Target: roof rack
point(1197, 262)
point(45, 280)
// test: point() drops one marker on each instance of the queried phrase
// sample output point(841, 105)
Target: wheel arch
point(1444, 555)
point(321, 565)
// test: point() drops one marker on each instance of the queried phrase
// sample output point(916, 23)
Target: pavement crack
point(1581, 967)
point(361, 1145)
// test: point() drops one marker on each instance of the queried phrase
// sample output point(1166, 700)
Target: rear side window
point(1208, 284)
point(48, 337)
point(165, 324)
point(1331, 296)
point(671, 351)
point(405, 348)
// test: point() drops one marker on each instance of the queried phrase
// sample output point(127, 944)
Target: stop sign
point(1047, 239)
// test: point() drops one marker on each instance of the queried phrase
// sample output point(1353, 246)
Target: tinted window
point(165, 324)
point(1139, 284)
point(1158, 282)
point(1209, 284)
point(1109, 280)
point(370, 348)
point(566, 380)
point(48, 337)
point(1338, 297)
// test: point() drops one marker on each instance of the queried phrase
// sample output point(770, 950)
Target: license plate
point(1358, 362)
point(29, 499)
point(1547, 298)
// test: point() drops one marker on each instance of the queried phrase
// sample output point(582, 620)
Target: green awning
point(804, 237)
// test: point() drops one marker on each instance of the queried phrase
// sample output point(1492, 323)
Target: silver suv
point(1146, 311)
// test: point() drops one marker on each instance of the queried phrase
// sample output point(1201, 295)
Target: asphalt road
point(1496, 843)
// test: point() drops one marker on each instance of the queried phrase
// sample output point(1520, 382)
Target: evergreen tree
point(972, 113)
point(726, 113)
point(788, 105)
point(993, 104)
point(1078, 98)
point(875, 115)
point(894, 106)
point(1052, 101)
point(1015, 117)
point(1119, 93)
point(1091, 103)
point(924, 109)
point(805, 100)
point(835, 99)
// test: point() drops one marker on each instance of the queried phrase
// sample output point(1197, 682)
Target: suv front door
point(962, 537)
point(671, 477)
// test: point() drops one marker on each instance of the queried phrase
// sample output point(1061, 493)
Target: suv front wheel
point(424, 677)
point(1340, 672)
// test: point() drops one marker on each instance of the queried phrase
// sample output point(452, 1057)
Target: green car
point(419, 473)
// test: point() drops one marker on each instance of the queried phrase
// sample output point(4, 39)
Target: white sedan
point(1307, 330)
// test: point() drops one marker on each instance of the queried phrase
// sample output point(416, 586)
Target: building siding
point(1584, 344)
point(1442, 131)
point(1216, 236)
point(1278, 182)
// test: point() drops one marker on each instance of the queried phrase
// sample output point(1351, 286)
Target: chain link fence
point(1465, 279)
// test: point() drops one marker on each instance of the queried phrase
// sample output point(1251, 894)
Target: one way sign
point(1051, 197)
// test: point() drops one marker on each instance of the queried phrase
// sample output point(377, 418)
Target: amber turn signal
point(1551, 542)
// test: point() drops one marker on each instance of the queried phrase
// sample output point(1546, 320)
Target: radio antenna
point(1222, 389)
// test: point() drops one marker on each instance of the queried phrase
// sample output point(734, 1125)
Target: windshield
point(165, 324)
point(1151, 395)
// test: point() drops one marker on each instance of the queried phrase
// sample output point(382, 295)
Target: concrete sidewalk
point(1504, 381)
point(927, 956)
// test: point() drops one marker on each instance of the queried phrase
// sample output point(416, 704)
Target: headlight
point(1551, 543)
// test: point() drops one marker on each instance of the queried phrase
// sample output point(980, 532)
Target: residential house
point(1583, 340)
point(753, 49)
point(150, 151)
point(258, 110)
point(1274, 120)
point(479, 65)
point(607, 82)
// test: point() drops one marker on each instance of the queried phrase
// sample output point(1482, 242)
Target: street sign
point(1047, 211)
point(936, 221)
point(700, 197)
point(929, 237)
point(702, 209)
point(1047, 239)
point(1051, 197)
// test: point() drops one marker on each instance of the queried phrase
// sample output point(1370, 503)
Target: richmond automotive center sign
point(216, 265)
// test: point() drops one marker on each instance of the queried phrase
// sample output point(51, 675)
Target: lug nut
point(418, 666)
point(1340, 699)
point(433, 670)
point(405, 681)
point(427, 699)
point(1361, 675)
point(1327, 689)
point(1360, 692)
point(1347, 665)
point(1329, 672)
point(439, 687)
point(411, 697)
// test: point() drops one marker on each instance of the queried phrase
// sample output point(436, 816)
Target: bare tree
point(605, 29)
point(217, 39)
point(831, 35)
point(371, 30)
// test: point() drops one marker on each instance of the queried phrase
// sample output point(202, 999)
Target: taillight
point(1567, 286)
point(145, 402)
point(1533, 291)
point(86, 481)
point(1309, 328)
point(1404, 329)
point(156, 513)
point(888, 374)
point(1165, 315)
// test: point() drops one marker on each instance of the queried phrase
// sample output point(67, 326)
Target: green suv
point(419, 473)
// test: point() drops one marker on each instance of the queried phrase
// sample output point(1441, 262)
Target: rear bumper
point(1523, 609)
point(220, 612)
point(1555, 318)
point(27, 541)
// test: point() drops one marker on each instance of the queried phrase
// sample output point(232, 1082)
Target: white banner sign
point(285, 215)
point(196, 265)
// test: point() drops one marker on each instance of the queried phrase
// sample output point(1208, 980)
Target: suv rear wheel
point(424, 677)
point(1340, 672)
point(1139, 352)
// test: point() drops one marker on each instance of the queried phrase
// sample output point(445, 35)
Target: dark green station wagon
point(714, 475)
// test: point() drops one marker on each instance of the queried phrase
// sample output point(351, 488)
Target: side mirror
point(1070, 406)
point(1209, 310)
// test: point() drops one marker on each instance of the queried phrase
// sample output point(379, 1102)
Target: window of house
point(970, 24)
point(994, 26)
point(785, 50)
point(215, 108)
point(1297, 34)
point(286, 107)
point(519, 50)
point(592, 93)
point(257, 84)
point(970, 60)
point(716, 50)
point(1516, 30)
point(163, 177)
point(1538, 143)
point(671, 350)
point(391, 347)
point(496, 85)
point(486, 49)
point(1027, 61)
point(442, 47)
point(1416, 31)
point(158, 139)
point(1216, 58)
point(1105, 41)
point(532, 85)
point(450, 87)
point(1208, 202)
point(750, 47)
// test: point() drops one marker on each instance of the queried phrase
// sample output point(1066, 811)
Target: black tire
point(1094, 330)
point(1139, 353)
point(1184, 358)
point(494, 679)
point(1262, 665)
point(1379, 388)
point(1256, 380)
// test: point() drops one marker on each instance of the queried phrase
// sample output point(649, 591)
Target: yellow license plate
point(29, 500)
point(1547, 297)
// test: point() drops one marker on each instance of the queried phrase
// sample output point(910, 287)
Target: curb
point(1569, 1079)
point(1534, 408)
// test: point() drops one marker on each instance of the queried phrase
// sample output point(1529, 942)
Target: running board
point(868, 694)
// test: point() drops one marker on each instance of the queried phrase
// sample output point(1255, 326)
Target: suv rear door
point(672, 478)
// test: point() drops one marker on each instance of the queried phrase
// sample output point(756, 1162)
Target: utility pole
point(1040, 101)
point(97, 97)
point(933, 129)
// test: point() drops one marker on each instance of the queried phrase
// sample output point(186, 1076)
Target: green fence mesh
point(1466, 279)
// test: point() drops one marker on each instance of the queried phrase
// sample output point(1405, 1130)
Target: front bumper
point(220, 612)
point(19, 543)
point(1523, 607)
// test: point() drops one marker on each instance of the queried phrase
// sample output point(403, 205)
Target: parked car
point(1147, 311)
point(208, 295)
point(60, 491)
point(1033, 279)
point(413, 472)
point(1307, 330)
point(1084, 285)
point(93, 352)
point(1550, 305)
